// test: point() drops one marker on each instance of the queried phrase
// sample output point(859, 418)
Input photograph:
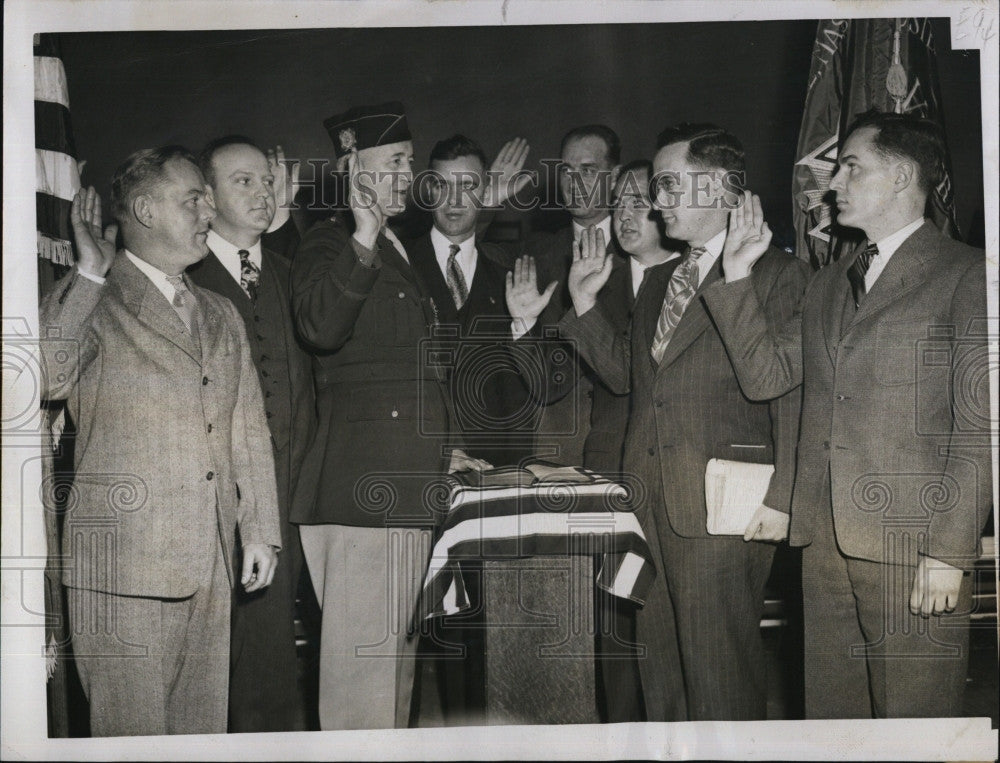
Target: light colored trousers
point(367, 581)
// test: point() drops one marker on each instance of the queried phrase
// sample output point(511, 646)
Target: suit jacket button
point(209, 476)
point(658, 403)
point(204, 380)
point(395, 414)
point(209, 428)
point(652, 451)
point(826, 445)
point(840, 398)
point(402, 295)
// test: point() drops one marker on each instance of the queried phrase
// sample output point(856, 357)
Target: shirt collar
point(229, 254)
point(466, 256)
point(154, 274)
point(639, 270)
point(888, 245)
point(604, 225)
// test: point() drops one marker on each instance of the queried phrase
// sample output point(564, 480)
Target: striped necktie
point(680, 291)
point(184, 303)
point(856, 273)
point(456, 278)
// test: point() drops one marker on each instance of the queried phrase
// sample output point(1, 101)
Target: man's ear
point(142, 210)
point(615, 172)
point(906, 175)
point(210, 196)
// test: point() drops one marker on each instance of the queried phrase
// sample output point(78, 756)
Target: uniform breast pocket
point(398, 320)
point(897, 348)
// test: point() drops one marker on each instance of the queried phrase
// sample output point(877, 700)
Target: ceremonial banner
point(857, 65)
point(57, 177)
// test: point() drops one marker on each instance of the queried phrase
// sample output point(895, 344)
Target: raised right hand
point(747, 239)
point(95, 250)
point(590, 270)
point(363, 202)
point(524, 301)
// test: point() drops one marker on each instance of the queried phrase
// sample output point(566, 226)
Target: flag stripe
point(50, 80)
point(53, 128)
point(56, 174)
point(53, 216)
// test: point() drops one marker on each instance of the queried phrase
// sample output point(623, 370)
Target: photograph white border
point(974, 24)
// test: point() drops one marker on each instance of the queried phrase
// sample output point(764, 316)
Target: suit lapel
point(905, 271)
point(616, 296)
point(391, 256)
point(210, 273)
point(693, 323)
point(209, 320)
point(649, 305)
point(148, 304)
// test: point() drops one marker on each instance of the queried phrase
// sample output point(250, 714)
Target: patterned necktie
point(249, 275)
point(680, 291)
point(856, 273)
point(184, 303)
point(456, 278)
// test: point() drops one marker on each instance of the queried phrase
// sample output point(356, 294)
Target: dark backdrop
point(132, 90)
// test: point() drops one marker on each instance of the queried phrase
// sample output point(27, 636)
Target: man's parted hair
point(213, 147)
point(709, 146)
point(603, 132)
point(141, 173)
point(906, 136)
point(455, 147)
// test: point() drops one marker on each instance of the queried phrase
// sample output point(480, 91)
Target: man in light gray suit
point(893, 481)
point(172, 455)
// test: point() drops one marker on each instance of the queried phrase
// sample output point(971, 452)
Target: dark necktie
point(856, 273)
point(680, 291)
point(249, 275)
point(456, 278)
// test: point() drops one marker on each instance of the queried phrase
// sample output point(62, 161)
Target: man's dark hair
point(457, 146)
point(140, 173)
point(213, 147)
point(605, 133)
point(709, 146)
point(637, 165)
point(906, 136)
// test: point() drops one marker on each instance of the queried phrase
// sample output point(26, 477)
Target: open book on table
point(531, 474)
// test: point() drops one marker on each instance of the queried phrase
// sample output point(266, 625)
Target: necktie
point(184, 303)
point(249, 275)
point(856, 273)
point(680, 291)
point(456, 278)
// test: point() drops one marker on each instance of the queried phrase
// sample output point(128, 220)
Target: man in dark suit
point(639, 232)
point(590, 158)
point(173, 464)
point(894, 475)
point(466, 278)
point(241, 188)
point(687, 408)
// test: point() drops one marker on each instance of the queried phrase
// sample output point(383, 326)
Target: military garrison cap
point(367, 126)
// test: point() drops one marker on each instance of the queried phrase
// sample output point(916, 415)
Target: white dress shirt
point(604, 225)
point(886, 248)
point(229, 254)
point(154, 274)
point(639, 270)
point(466, 257)
point(713, 248)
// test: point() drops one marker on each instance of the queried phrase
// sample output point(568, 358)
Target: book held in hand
point(734, 490)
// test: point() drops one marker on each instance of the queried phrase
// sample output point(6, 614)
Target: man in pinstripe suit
point(687, 408)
